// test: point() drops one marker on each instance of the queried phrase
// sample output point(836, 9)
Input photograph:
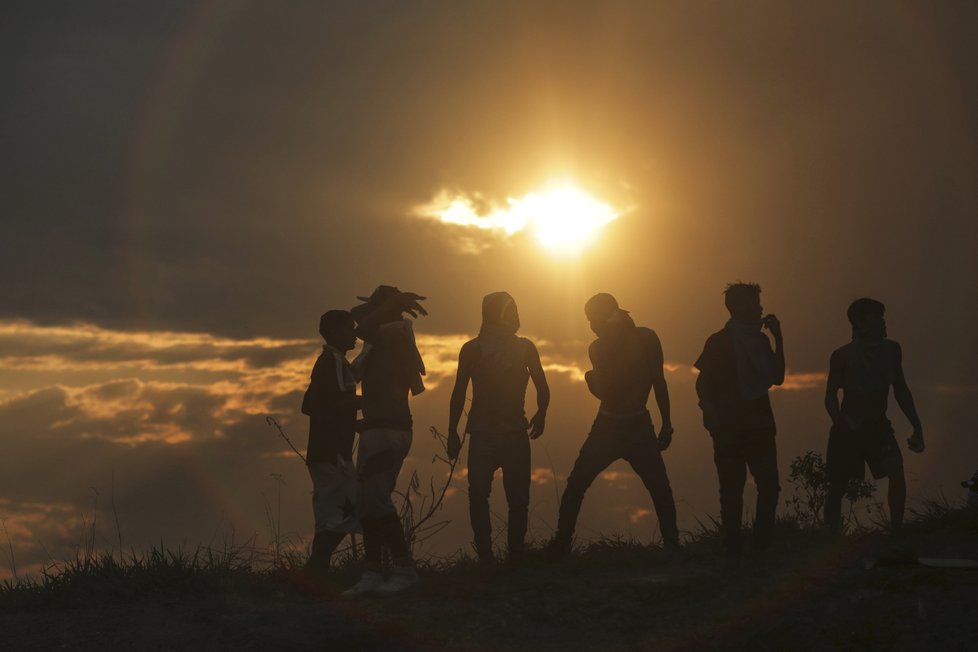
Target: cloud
point(560, 216)
point(440, 353)
point(792, 380)
point(84, 347)
point(138, 387)
point(34, 529)
point(802, 381)
point(635, 514)
point(542, 476)
point(616, 476)
point(573, 371)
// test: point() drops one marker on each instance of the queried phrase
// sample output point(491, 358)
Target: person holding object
point(391, 368)
point(861, 434)
point(499, 364)
point(627, 364)
point(737, 367)
point(331, 403)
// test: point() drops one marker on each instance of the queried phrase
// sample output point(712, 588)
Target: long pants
point(509, 451)
point(734, 452)
point(633, 440)
point(379, 459)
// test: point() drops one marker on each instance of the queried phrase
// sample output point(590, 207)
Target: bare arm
point(704, 388)
point(656, 362)
point(595, 377)
point(901, 391)
point(772, 324)
point(832, 387)
point(539, 420)
point(393, 308)
point(456, 404)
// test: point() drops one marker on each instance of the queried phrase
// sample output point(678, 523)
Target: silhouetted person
point(864, 369)
point(499, 364)
point(626, 365)
point(331, 403)
point(737, 367)
point(391, 368)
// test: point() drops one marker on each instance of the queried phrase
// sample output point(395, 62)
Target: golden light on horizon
point(563, 218)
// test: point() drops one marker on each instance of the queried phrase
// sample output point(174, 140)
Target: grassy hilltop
point(815, 593)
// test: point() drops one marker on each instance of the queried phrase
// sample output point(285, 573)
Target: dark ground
point(813, 594)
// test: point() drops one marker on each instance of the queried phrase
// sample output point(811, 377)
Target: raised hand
point(772, 323)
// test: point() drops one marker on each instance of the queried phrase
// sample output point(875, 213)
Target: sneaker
point(402, 579)
point(369, 582)
point(671, 545)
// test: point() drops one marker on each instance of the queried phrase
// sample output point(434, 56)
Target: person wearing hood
point(737, 368)
point(627, 364)
point(861, 434)
point(390, 368)
point(499, 365)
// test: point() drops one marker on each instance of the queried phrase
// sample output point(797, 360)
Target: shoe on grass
point(402, 579)
point(369, 582)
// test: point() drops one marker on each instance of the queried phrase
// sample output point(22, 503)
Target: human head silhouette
point(388, 303)
point(338, 329)
point(867, 318)
point(743, 301)
point(603, 313)
point(499, 310)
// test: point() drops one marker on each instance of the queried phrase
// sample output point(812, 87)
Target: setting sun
point(563, 218)
point(566, 219)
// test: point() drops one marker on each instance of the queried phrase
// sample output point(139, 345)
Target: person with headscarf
point(331, 402)
point(499, 364)
point(390, 368)
point(861, 434)
point(737, 368)
point(627, 364)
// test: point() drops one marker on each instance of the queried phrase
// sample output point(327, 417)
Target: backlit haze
point(188, 186)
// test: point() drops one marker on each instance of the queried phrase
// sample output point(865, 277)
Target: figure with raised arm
point(627, 364)
point(331, 403)
point(737, 368)
point(861, 434)
point(391, 369)
point(499, 365)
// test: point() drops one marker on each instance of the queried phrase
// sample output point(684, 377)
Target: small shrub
point(807, 476)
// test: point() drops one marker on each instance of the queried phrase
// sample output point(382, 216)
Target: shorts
point(850, 451)
point(334, 495)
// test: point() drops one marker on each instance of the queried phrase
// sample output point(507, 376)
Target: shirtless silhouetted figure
point(737, 367)
point(864, 369)
point(391, 369)
point(626, 365)
point(498, 363)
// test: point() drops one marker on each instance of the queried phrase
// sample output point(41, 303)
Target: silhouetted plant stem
point(270, 420)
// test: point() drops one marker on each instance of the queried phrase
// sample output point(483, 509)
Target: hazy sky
point(187, 186)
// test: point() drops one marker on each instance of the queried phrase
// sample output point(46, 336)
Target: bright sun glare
point(563, 218)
